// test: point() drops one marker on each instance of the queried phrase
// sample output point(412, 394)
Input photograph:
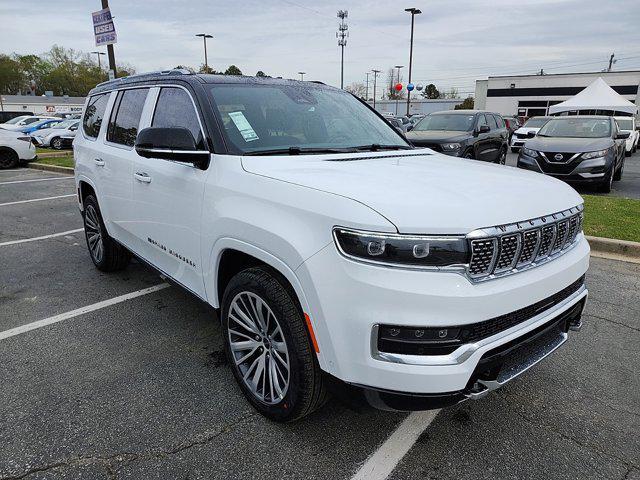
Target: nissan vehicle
point(628, 125)
point(339, 257)
point(55, 137)
point(463, 133)
point(527, 131)
point(577, 149)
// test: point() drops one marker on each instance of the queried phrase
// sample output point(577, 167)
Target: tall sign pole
point(105, 34)
point(366, 97)
point(413, 12)
point(375, 76)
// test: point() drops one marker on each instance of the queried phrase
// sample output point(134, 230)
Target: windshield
point(65, 124)
point(625, 123)
point(452, 121)
point(15, 120)
point(576, 127)
point(262, 118)
point(535, 122)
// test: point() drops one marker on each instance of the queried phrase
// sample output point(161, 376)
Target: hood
point(436, 135)
point(423, 192)
point(569, 145)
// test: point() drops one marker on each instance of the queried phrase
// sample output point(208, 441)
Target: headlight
point(529, 152)
point(450, 146)
point(402, 250)
point(25, 139)
point(598, 154)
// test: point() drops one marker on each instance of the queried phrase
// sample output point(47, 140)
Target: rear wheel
point(8, 159)
point(56, 143)
point(268, 346)
point(618, 175)
point(107, 255)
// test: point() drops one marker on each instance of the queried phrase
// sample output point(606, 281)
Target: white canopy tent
point(597, 96)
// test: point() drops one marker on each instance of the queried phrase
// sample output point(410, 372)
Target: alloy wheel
point(258, 348)
point(56, 143)
point(93, 233)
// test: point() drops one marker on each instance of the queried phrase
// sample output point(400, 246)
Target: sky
point(455, 42)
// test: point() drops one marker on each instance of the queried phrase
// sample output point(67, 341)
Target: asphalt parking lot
point(137, 388)
point(627, 187)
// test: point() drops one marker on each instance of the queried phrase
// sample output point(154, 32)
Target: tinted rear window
point(123, 126)
point(94, 114)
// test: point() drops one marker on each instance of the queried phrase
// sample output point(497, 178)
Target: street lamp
point(375, 76)
point(301, 75)
point(204, 39)
point(413, 12)
point(397, 93)
point(99, 54)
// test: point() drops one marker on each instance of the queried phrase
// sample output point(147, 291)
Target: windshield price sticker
point(243, 126)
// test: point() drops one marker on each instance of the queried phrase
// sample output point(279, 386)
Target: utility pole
point(301, 75)
point(397, 93)
point(110, 54)
point(611, 62)
point(204, 39)
point(375, 76)
point(413, 12)
point(366, 97)
point(99, 54)
point(342, 35)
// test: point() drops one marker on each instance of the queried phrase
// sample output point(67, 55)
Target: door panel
point(483, 142)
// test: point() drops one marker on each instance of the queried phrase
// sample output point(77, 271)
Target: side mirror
point(175, 143)
point(531, 134)
point(623, 135)
point(483, 129)
point(409, 127)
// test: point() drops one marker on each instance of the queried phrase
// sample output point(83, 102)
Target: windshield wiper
point(374, 147)
point(300, 151)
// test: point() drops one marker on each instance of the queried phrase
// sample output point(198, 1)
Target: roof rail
point(174, 71)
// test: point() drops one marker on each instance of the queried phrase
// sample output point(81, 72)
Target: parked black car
point(463, 133)
point(577, 149)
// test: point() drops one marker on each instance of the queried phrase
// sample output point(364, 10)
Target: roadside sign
point(103, 28)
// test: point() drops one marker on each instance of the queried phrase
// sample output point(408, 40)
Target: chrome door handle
point(99, 162)
point(142, 177)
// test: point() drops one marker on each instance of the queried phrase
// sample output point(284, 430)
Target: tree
point(431, 91)
point(452, 93)
point(359, 89)
point(12, 77)
point(208, 69)
point(233, 70)
point(467, 104)
point(260, 73)
point(392, 80)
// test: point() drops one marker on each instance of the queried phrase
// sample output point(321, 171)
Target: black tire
point(502, 158)
point(605, 186)
point(56, 143)
point(468, 154)
point(110, 256)
point(8, 159)
point(618, 175)
point(514, 150)
point(305, 391)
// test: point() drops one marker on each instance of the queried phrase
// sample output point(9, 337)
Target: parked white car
point(628, 124)
point(527, 131)
point(19, 122)
point(338, 256)
point(15, 147)
point(57, 136)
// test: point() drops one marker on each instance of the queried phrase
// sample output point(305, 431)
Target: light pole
point(375, 76)
point(342, 35)
point(301, 75)
point(366, 97)
point(397, 92)
point(99, 54)
point(413, 12)
point(204, 39)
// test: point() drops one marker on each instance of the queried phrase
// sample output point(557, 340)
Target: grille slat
point(506, 249)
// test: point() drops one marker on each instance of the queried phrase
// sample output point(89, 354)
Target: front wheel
point(607, 182)
point(268, 347)
point(107, 255)
point(8, 159)
point(618, 175)
point(502, 159)
point(56, 143)
point(514, 150)
point(468, 154)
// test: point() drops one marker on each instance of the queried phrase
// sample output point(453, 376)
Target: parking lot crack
point(613, 321)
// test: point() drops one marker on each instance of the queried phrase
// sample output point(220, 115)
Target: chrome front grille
point(508, 249)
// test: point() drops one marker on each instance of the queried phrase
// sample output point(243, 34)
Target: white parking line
point(79, 311)
point(37, 180)
point(44, 237)
point(382, 462)
point(37, 200)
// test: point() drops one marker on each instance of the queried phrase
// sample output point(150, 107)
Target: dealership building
point(532, 95)
point(44, 105)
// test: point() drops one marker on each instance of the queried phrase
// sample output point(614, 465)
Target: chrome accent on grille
point(507, 249)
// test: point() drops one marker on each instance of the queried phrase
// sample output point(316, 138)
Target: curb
point(51, 168)
point(53, 154)
point(615, 249)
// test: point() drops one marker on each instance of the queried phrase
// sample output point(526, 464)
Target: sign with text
point(103, 28)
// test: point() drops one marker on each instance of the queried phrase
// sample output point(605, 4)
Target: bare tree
point(359, 89)
point(392, 80)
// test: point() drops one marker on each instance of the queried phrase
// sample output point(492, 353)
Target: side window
point(500, 121)
point(125, 117)
point(482, 120)
point(175, 109)
point(94, 114)
point(493, 123)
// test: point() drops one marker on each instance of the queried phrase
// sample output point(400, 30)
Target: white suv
point(340, 257)
point(628, 124)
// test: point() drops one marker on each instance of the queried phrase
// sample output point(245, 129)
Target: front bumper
point(348, 299)
point(587, 171)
